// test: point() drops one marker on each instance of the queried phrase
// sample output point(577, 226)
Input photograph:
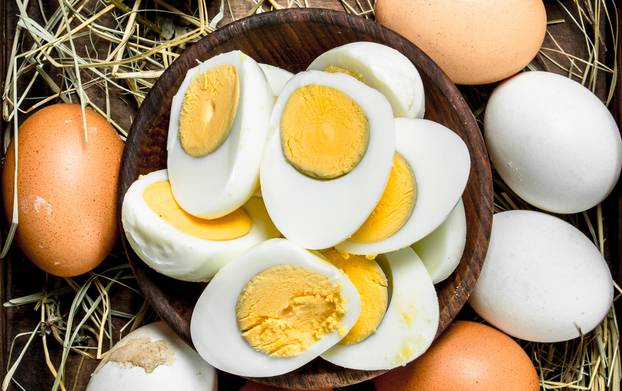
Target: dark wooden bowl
point(291, 39)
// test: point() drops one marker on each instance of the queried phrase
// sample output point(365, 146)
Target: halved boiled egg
point(381, 67)
point(442, 249)
point(179, 245)
point(407, 327)
point(272, 310)
point(326, 165)
point(430, 171)
point(217, 131)
point(277, 77)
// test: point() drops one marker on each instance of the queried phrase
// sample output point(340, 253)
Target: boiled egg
point(277, 77)
point(327, 163)
point(408, 326)
point(217, 131)
point(272, 310)
point(381, 67)
point(179, 245)
point(430, 171)
point(442, 250)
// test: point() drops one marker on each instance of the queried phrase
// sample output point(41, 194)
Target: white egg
point(214, 185)
point(153, 358)
point(277, 77)
point(318, 213)
point(214, 326)
point(176, 253)
point(442, 250)
point(543, 280)
point(382, 68)
point(440, 162)
point(553, 142)
point(409, 324)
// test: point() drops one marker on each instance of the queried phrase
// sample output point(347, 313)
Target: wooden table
point(19, 277)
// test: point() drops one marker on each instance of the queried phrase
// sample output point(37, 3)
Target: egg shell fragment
point(214, 329)
point(442, 249)
point(315, 213)
point(382, 68)
point(542, 280)
point(553, 142)
point(409, 324)
point(217, 184)
point(276, 77)
point(179, 367)
point(177, 254)
point(441, 164)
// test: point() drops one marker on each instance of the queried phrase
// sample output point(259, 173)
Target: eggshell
point(553, 142)
point(468, 356)
point(542, 280)
point(67, 189)
point(176, 365)
point(250, 386)
point(474, 41)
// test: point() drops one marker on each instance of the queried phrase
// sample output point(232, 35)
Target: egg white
point(442, 249)
point(441, 163)
point(384, 69)
point(277, 77)
point(214, 329)
point(217, 184)
point(315, 213)
point(409, 324)
point(177, 254)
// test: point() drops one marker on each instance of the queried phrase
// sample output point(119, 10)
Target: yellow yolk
point(208, 110)
point(337, 69)
point(371, 283)
point(324, 132)
point(285, 309)
point(159, 198)
point(395, 205)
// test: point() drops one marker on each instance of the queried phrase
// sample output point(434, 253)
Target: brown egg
point(66, 189)
point(468, 356)
point(475, 41)
point(250, 386)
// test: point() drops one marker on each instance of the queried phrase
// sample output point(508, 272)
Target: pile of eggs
point(320, 206)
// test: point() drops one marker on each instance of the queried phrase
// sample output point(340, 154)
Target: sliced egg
point(381, 67)
point(277, 77)
point(429, 174)
point(272, 310)
point(326, 165)
point(182, 246)
point(408, 326)
point(442, 250)
point(217, 131)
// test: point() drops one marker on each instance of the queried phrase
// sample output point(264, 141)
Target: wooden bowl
point(291, 39)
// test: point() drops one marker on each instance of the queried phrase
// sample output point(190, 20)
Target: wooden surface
point(18, 277)
point(291, 39)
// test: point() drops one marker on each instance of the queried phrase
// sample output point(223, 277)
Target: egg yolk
point(337, 69)
point(324, 132)
point(372, 286)
point(208, 110)
point(285, 309)
point(395, 205)
point(159, 197)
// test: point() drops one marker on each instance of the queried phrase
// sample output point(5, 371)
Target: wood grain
point(291, 39)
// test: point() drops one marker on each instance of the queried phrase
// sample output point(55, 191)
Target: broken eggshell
point(152, 358)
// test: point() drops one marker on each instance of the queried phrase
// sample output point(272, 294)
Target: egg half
point(326, 165)
point(430, 172)
point(407, 327)
point(380, 67)
point(217, 131)
point(272, 310)
point(180, 245)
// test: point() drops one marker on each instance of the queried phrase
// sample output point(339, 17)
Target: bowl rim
point(347, 21)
